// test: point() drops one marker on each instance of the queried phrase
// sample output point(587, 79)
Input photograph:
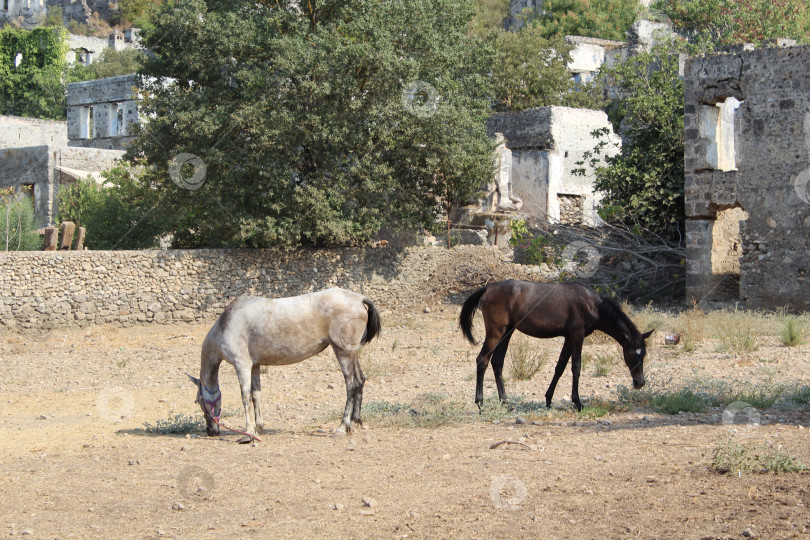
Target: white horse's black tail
point(373, 325)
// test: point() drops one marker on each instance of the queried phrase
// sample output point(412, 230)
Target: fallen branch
point(506, 441)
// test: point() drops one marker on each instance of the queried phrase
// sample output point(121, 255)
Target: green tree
point(110, 63)
point(490, 16)
point(316, 124)
point(531, 71)
point(31, 67)
point(710, 23)
point(643, 184)
point(605, 19)
point(138, 13)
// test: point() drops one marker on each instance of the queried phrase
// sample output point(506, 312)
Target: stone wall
point(130, 287)
point(16, 132)
point(766, 179)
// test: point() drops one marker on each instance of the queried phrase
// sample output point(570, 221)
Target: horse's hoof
point(340, 432)
point(245, 439)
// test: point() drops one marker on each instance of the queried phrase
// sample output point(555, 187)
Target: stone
point(369, 502)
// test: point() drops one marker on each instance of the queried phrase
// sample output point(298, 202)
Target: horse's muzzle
point(212, 430)
point(639, 383)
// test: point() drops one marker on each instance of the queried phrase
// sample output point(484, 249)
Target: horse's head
point(211, 405)
point(635, 349)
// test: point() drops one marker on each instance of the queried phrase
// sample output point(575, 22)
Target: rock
point(520, 420)
point(185, 448)
point(28, 532)
point(368, 502)
point(178, 506)
point(748, 533)
point(337, 506)
point(42, 417)
point(427, 310)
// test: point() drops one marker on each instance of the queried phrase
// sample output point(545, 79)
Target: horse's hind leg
point(354, 386)
point(358, 398)
point(565, 354)
point(256, 396)
point(497, 363)
point(481, 363)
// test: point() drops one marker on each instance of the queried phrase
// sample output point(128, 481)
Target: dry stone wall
point(54, 289)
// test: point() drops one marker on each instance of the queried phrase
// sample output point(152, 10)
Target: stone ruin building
point(747, 169)
point(38, 156)
point(32, 12)
point(101, 113)
point(546, 143)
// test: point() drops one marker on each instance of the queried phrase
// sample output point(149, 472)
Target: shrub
point(18, 230)
point(792, 333)
point(524, 363)
point(729, 457)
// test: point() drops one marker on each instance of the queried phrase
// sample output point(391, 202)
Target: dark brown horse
point(545, 310)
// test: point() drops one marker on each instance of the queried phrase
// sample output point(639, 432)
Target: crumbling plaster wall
point(772, 152)
point(16, 131)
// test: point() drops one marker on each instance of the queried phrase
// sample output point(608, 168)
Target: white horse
point(254, 331)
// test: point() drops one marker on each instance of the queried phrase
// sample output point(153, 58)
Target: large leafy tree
point(710, 23)
point(643, 183)
point(312, 122)
point(605, 19)
point(532, 71)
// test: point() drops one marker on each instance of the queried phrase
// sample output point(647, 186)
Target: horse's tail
point(468, 310)
point(373, 325)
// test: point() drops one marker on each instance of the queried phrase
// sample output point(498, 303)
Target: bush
point(792, 333)
point(18, 229)
point(524, 363)
point(731, 457)
point(121, 214)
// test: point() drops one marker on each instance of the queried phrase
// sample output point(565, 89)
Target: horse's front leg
point(481, 364)
point(565, 354)
point(256, 396)
point(243, 373)
point(576, 365)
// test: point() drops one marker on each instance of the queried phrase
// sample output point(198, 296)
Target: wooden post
point(66, 229)
point(80, 239)
point(51, 237)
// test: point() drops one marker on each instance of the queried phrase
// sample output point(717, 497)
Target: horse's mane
point(610, 311)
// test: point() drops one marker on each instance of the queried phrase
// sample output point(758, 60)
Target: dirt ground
point(76, 460)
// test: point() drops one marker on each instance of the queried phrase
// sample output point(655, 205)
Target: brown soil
point(72, 467)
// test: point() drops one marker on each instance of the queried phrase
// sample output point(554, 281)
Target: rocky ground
point(81, 454)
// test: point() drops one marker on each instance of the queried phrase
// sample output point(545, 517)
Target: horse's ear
point(195, 381)
point(647, 334)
